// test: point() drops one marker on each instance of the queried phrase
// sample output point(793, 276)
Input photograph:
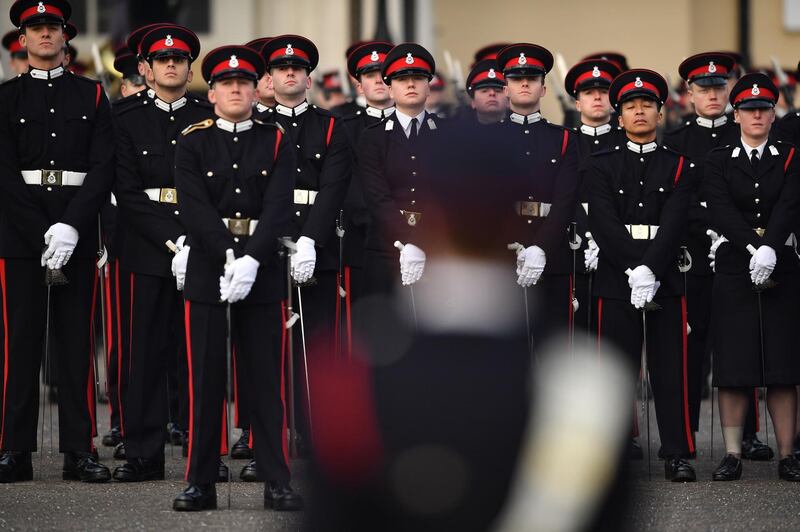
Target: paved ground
point(759, 502)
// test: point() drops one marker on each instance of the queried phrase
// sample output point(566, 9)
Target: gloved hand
point(716, 242)
point(643, 285)
point(412, 264)
point(60, 240)
point(239, 277)
point(179, 262)
point(530, 265)
point(761, 264)
point(304, 260)
point(590, 255)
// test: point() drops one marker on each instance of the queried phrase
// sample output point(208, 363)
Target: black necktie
point(413, 134)
point(754, 159)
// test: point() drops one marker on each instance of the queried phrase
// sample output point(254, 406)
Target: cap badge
point(638, 83)
point(522, 60)
point(40, 8)
point(491, 73)
point(168, 41)
point(712, 67)
point(289, 50)
point(755, 91)
point(374, 56)
point(595, 72)
point(409, 59)
point(233, 63)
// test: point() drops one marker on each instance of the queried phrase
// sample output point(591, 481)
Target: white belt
point(305, 197)
point(537, 209)
point(53, 178)
point(240, 226)
point(162, 195)
point(642, 232)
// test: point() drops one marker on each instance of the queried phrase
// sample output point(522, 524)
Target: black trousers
point(24, 315)
point(155, 339)
point(117, 309)
point(620, 324)
point(698, 304)
point(259, 336)
point(550, 309)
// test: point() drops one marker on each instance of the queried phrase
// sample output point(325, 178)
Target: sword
point(400, 246)
point(229, 259)
point(588, 235)
point(305, 360)
point(289, 247)
point(516, 247)
point(574, 245)
point(342, 294)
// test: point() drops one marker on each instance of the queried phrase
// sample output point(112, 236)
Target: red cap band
point(177, 44)
point(282, 53)
point(632, 85)
point(529, 62)
point(33, 11)
point(15, 47)
point(589, 75)
point(720, 71)
point(402, 64)
point(498, 76)
point(367, 59)
point(226, 65)
point(763, 94)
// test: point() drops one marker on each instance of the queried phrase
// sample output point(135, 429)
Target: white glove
point(761, 264)
point(643, 285)
point(304, 259)
point(530, 265)
point(179, 262)
point(590, 255)
point(412, 264)
point(716, 242)
point(239, 277)
point(60, 240)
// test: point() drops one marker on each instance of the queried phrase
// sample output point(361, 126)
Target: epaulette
point(720, 148)
point(11, 80)
point(273, 124)
point(606, 151)
point(348, 118)
point(379, 123)
point(670, 150)
point(322, 112)
point(84, 78)
point(122, 107)
point(204, 124)
point(681, 127)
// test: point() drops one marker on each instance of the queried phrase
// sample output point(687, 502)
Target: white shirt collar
point(291, 111)
point(648, 147)
point(46, 74)
point(759, 148)
point(374, 112)
point(405, 121)
point(234, 127)
point(520, 119)
point(595, 131)
point(170, 107)
point(711, 123)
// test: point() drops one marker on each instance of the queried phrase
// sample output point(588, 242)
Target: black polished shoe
point(84, 467)
point(797, 446)
point(196, 498)
point(241, 449)
point(729, 469)
point(223, 472)
point(112, 437)
point(15, 466)
point(635, 450)
point(789, 469)
point(679, 470)
point(282, 498)
point(139, 470)
point(119, 451)
point(754, 449)
point(174, 434)
point(250, 473)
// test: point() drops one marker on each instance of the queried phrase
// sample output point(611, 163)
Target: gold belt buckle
point(301, 196)
point(530, 208)
point(51, 177)
point(168, 195)
point(640, 232)
point(412, 218)
point(239, 226)
point(760, 231)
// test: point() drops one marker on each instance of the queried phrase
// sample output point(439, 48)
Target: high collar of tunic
point(648, 147)
point(234, 127)
point(56, 72)
point(292, 111)
point(374, 112)
point(711, 123)
point(595, 131)
point(525, 119)
point(170, 107)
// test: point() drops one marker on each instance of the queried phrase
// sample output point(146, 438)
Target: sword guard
point(292, 320)
point(342, 292)
point(766, 285)
point(55, 278)
point(339, 231)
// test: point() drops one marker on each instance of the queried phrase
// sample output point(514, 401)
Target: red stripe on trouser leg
point(108, 332)
point(599, 321)
point(348, 311)
point(5, 346)
point(756, 408)
point(188, 328)
point(90, 399)
point(119, 350)
point(685, 375)
point(235, 391)
point(284, 339)
point(223, 441)
point(250, 438)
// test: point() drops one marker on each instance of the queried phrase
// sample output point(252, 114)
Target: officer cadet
point(58, 163)
point(546, 202)
point(753, 194)
point(393, 158)
point(437, 103)
point(146, 135)
point(638, 200)
point(485, 87)
point(706, 75)
point(18, 55)
point(619, 60)
point(235, 177)
point(126, 64)
point(329, 89)
point(489, 52)
point(264, 91)
point(788, 127)
point(322, 177)
point(353, 105)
